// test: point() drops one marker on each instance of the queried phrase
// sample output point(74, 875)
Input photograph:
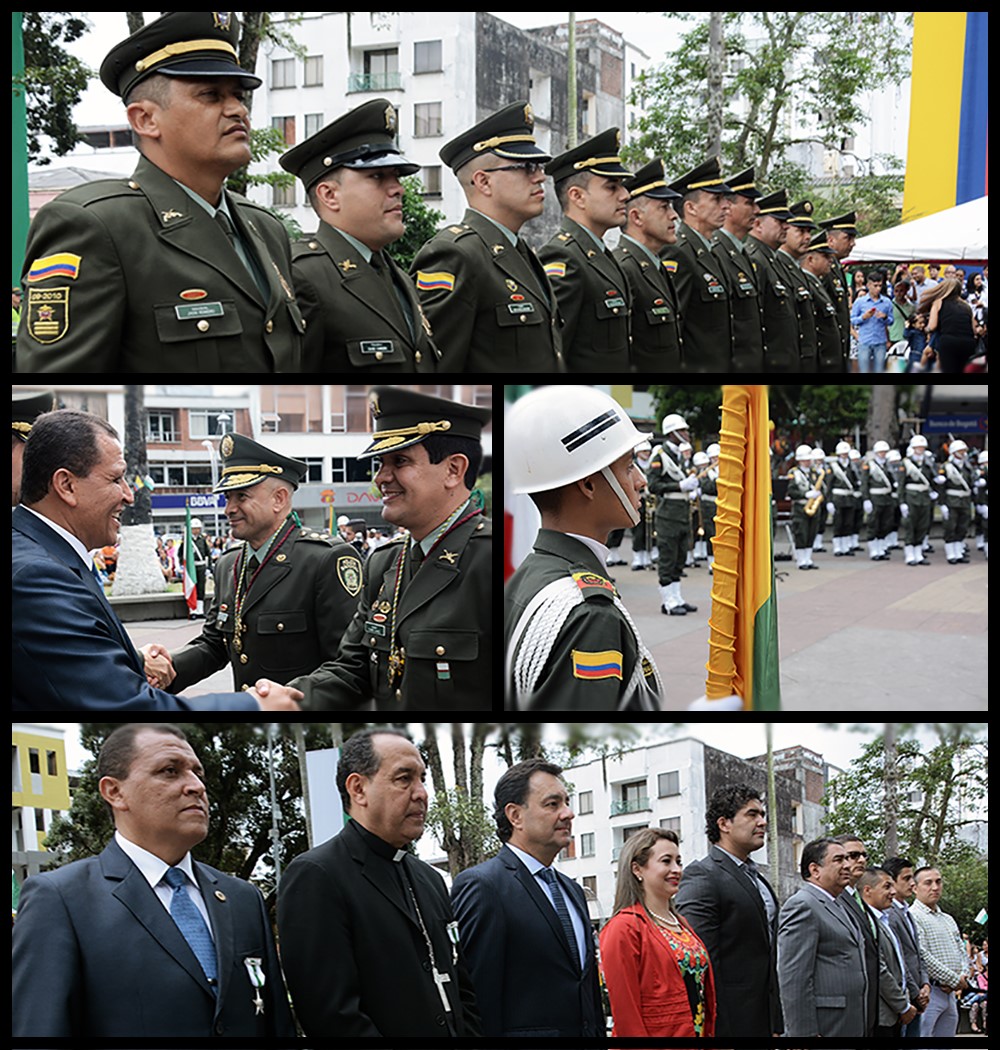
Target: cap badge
point(390, 118)
point(529, 116)
point(226, 448)
point(222, 19)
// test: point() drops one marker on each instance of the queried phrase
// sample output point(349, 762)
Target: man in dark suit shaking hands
point(524, 927)
point(735, 912)
point(142, 940)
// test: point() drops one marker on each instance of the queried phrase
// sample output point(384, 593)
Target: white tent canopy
point(956, 233)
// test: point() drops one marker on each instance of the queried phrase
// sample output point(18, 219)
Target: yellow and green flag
point(743, 627)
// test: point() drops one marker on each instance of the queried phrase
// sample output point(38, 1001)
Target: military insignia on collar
point(226, 448)
point(449, 557)
point(347, 265)
point(171, 214)
point(497, 249)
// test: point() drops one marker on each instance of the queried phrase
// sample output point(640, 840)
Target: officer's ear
point(143, 117)
point(328, 192)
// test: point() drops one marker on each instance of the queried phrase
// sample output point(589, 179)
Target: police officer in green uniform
point(589, 284)
point(421, 639)
point(879, 500)
point(481, 285)
point(730, 248)
point(285, 595)
point(816, 264)
point(781, 325)
point(362, 312)
point(916, 499)
point(698, 275)
point(800, 230)
point(166, 270)
point(651, 226)
point(25, 408)
point(805, 497)
point(570, 643)
point(841, 234)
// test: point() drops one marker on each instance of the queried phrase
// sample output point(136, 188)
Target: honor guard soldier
point(841, 234)
point(570, 643)
point(166, 270)
point(362, 312)
point(797, 237)
point(651, 226)
point(845, 491)
point(24, 410)
point(421, 638)
point(916, 499)
point(698, 275)
point(284, 596)
point(955, 481)
point(480, 284)
point(879, 501)
point(730, 248)
point(816, 264)
point(590, 286)
point(781, 325)
point(672, 485)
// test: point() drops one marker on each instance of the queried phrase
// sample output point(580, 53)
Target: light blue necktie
point(561, 910)
point(191, 924)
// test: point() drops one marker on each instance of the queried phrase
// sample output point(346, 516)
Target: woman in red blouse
point(657, 971)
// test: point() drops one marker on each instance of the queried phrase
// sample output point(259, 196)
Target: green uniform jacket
point(744, 299)
point(144, 280)
point(444, 625)
point(835, 283)
point(593, 300)
point(657, 344)
point(594, 654)
point(294, 613)
point(781, 324)
point(804, 309)
point(490, 307)
point(705, 305)
point(829, 348)
point(354, 322)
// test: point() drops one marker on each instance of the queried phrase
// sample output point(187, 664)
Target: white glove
point(904, 510)
point(869, 506)
point(945, 512)
point(688, 484)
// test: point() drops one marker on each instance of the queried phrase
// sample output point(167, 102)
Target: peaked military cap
point(802, 215)
point(508, 133)
point(363, 138)
point(776, 205)
point(743, 185)
point(707, 176)
point(650, 181)
point(247, 463)
point(848, 222)
point(596, 156)
point(26, 408)
point(179, 44)
point(819, 243)
point(405, 417)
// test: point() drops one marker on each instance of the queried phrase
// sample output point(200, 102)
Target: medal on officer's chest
point(257, 979)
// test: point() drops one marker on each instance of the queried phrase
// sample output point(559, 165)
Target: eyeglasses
point(857, 855)
point(529, 167)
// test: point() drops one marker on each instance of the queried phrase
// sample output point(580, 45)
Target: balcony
point(374, 82)
point(631, 805)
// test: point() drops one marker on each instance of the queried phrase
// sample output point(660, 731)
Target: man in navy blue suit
point(69, 650)
point(142, 940)
point(523, 926)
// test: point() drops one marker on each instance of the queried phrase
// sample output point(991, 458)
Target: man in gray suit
point(894, 1008)
point(821, 962)
point(917, 983)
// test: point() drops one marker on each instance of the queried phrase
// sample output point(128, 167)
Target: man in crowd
point(917, 984)
point(283, 597)
point(942, 952)
point(735, 913)
point(167, 269)
point(894, 1008)
point(368, 939)
point(69, 649)
point(143, 941)
point(821, 962)
point(488, 299)
point(524, 927)
point(361, 310)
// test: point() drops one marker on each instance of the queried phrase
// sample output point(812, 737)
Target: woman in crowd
point(657, 971)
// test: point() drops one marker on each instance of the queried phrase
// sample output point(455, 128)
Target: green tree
point(53, 80)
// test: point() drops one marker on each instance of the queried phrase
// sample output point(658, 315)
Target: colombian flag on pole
point(190, 574)
point(520, 518)
point(947, 159)
point(743, 627)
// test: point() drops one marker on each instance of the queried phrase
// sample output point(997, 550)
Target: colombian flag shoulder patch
point(555, 269)
point(595, 666)
point(439, 280)
point(63, 264)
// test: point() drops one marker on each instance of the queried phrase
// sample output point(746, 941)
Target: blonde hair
point(637, 850)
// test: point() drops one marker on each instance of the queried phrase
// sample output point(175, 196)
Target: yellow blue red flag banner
point(743, 626)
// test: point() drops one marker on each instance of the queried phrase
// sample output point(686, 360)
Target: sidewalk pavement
point(857, 633)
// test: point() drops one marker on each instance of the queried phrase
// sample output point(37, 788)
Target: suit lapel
point(221, 918)
point(537, 895)
point(130, 888)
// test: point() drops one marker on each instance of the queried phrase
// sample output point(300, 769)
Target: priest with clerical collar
point(369, 943)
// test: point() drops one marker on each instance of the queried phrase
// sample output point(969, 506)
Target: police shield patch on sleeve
point(48, 314)
point(349, 574)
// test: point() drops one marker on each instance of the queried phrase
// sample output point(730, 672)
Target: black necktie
point(562, 910)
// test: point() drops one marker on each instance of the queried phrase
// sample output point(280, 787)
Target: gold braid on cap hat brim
point(21, 428)
point(386, 439)
point(261, 468)
point(183, 48)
